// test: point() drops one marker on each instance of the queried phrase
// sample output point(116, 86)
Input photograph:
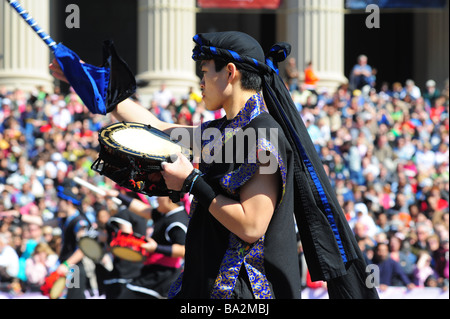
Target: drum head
point(131, 155)
point(58, 288)
point(141, 140)
point(127, 254)
point(91, 248)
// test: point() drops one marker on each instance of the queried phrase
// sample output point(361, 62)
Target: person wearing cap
point(431, 92)
point(241, 240)
point(73, 223)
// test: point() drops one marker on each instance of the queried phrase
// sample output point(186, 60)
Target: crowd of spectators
point(46, 139)
point(385, 151)
point(387, 155)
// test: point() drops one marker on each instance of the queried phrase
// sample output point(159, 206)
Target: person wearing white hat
point(410, 90)
point(431, 92)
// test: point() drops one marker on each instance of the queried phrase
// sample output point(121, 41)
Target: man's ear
point(232, 71)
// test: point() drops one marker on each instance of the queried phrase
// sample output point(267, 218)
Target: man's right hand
point(62, 270)
point(57, 71)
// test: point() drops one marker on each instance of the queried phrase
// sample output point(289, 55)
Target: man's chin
point(212, 108)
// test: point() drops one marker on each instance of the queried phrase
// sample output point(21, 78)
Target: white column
point(315, 29)
point(165, 32)
point(431, 46)
point(24, 57)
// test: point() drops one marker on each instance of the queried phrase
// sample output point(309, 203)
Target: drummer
point(73, 223)
point(113, 282)
point(165, 246)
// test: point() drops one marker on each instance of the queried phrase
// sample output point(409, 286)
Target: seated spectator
point(423, 230)
point(439, 256)
point(399, 253)
point(9, 263)
point(410, 90)
point(431, 92)
point(425, 157)
point(365, 218)
point(389, 269)
point(42, 262)
point(360, 231)
point(361, 74)
point(423, 269)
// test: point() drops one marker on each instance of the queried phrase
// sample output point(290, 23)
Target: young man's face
point(213, 85)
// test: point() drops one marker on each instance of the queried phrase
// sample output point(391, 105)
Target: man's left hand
point(176, 173)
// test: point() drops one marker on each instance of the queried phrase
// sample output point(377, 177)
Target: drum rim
point(106, 139)
point(59, 283)
point(87, 239)
point(142, 257)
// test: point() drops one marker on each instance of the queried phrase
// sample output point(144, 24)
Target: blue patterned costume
point(218, 264)
point(216, 259)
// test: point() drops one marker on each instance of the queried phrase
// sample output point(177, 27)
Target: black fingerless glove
point(126, 200)
point(188, 182)
point(203, 192)
point(197, 186)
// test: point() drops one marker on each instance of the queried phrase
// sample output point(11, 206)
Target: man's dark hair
point(249, 81)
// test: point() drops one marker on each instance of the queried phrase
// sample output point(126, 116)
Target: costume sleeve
point(120, 221)
point(237, 178)
point(176, 233)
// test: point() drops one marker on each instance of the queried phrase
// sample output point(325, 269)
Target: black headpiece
point(241, 49)
point(66, 193)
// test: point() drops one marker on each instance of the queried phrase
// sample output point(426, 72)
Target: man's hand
point(57, 71)
point(150, 245)
point(176, 173)
point(62, 270)
point(111, 192)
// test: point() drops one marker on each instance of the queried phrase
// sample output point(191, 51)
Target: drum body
point(90, 245)
point(131, 155)
point(128, 247)
point(54, 285)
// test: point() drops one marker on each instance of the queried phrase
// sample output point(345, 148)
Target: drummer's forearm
point(178, 250)
point(130, 111)
point(141, 209)
point(134, 205)
point(32, 219)
point(75, 258)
